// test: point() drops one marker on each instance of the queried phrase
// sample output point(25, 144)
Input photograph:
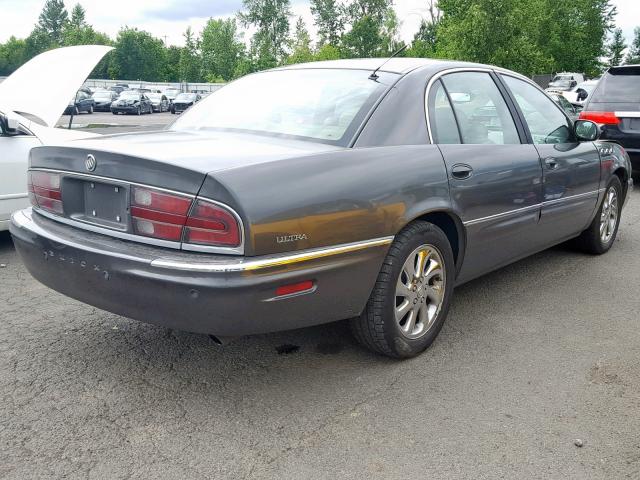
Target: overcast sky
point(170, 18)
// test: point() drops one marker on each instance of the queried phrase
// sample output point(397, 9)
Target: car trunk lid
point(96, 180)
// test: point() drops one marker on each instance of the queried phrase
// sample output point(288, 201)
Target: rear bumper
point(215, 294)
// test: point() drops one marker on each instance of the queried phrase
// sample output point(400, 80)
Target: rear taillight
point(158, 214)
point(601, 118)
point(44, 191)
point(168, 216)
point(211, 224)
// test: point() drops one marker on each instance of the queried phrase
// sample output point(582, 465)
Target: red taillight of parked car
point(44, 191)
point(169, 216)
point(158, 214)
point(213, 225)
point(601, 118)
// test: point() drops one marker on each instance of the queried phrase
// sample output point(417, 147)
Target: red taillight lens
point(158, 214)
point(213, 225)
point(602, 118)
point(44, 191)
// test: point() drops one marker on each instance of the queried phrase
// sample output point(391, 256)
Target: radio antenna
point(374, 75)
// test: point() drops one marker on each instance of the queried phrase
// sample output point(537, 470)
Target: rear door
point(571, 170)
point(495, 179)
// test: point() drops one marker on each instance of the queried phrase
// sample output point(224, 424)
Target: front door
point(495, 179)
point(571, 170)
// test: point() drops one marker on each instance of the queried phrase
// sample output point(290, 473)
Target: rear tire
point(599, 237)
point(410, 300)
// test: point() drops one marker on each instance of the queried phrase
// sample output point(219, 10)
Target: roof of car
point(399, 65)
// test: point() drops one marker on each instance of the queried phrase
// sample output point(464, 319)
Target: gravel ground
point(532, 358)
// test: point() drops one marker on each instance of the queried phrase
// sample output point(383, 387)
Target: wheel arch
point(453, 228)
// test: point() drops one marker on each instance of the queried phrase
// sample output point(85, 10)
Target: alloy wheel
point(420, 291)
point(609, 215)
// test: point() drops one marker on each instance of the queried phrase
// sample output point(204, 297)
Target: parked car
point(132, 101)
point(579, 94)
point(571, 110)
point(615, 106)
point(172, 93)
point(565, 81)
point(319, 192)
point(82, 101)
point(28, 114)
point(184, 101)
point(103, 100)
point(159, 102)
point(119, 88)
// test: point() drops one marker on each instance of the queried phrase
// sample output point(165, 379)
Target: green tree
point(364, 39)
point(222, 49)
point(78, 17)
point(616, 48)
point(271, 17)
point(12, 55)
point(138, 56)
point(327, 52)
point(189, 63)
point(301, 44)
point(424, 41)
point(329, 19)
point(172, 72)
point(390, 33)
point(580, 23)
point(375, 9)
point(53, 19)
point(633, 55)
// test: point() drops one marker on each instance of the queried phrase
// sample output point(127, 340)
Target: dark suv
point(615, 106)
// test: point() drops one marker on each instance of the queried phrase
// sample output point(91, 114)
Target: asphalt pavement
point(536, 374)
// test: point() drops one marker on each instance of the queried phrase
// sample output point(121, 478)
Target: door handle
point(461, 171)
point(551, 163)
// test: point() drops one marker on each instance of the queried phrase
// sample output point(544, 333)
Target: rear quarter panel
point(332, 198)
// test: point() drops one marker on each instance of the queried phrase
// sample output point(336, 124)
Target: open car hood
point(43, 86)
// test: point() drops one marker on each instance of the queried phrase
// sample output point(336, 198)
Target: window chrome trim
point(496, 70)
point(546, 203)
point(260, 263)
point(239, 250)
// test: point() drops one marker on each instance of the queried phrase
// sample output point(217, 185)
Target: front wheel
point(411, 297)
point(599, 237)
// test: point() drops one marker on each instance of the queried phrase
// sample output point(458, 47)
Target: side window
point(480, 109)
point(546, 121)
point(443, 123)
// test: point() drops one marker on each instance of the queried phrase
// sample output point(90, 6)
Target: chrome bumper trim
point(259, 263)
point(23, 220)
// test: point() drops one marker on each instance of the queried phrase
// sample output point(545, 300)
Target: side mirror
point(582, 94)
point(586, 130)
point(12, 123)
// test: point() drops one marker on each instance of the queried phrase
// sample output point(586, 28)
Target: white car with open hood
point(27, 119)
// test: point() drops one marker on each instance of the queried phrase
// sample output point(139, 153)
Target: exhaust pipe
point(221, 341)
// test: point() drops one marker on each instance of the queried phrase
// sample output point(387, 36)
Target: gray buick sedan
point(320, 192)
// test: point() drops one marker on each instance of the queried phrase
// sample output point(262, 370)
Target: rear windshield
point(619, 85)
point(323, 105)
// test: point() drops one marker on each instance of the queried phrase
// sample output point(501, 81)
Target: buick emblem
point(90, 163)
